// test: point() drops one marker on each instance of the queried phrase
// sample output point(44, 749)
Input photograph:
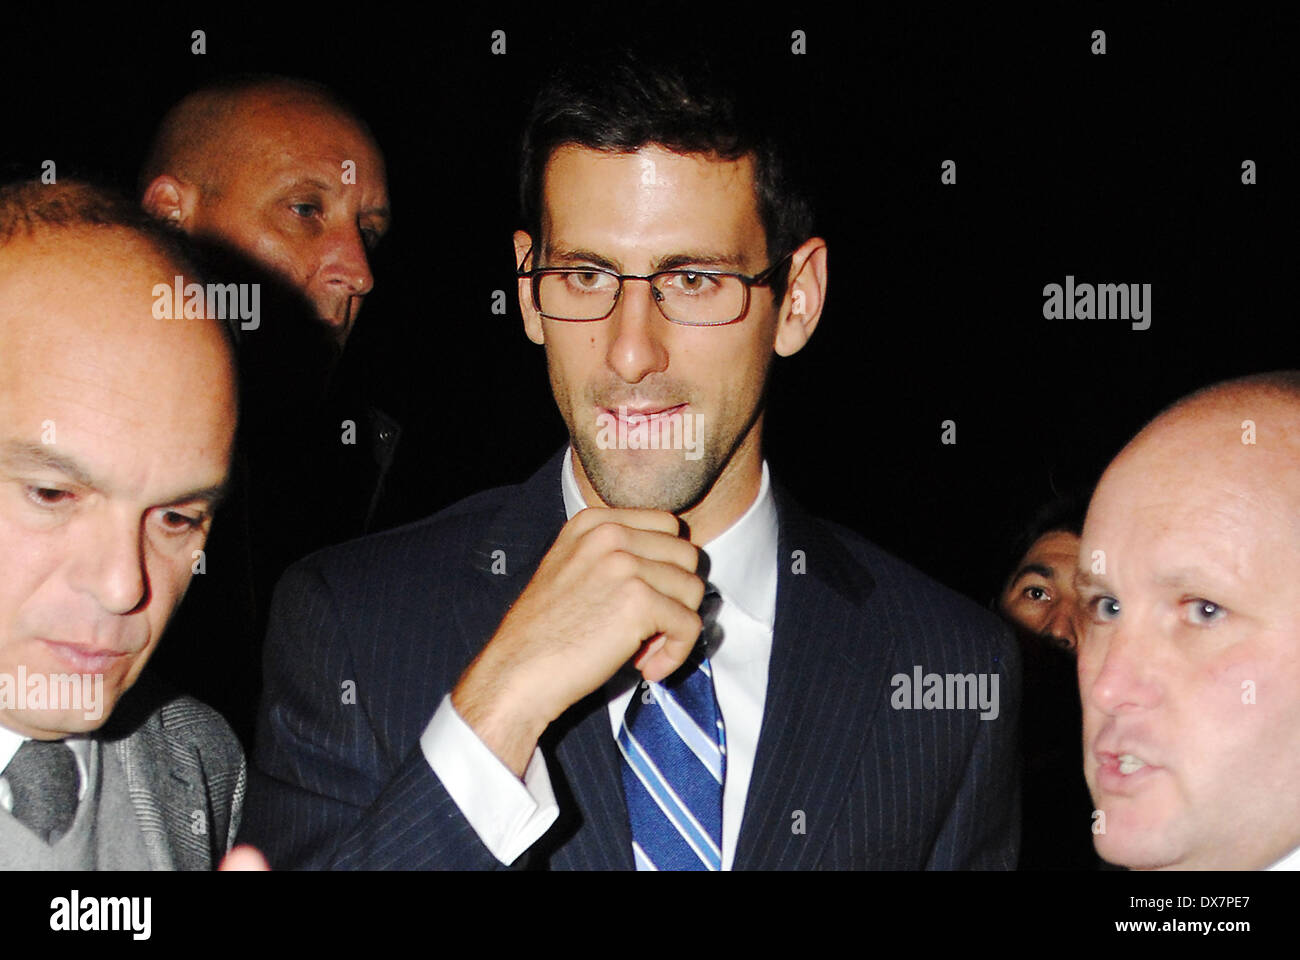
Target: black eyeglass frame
point(761, 279)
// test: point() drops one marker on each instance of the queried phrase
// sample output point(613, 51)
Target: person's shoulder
point(442, 537)
point(159, 711)
point(909, 589)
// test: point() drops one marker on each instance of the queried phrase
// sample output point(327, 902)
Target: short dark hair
point(624, 100)
point(1064, 513)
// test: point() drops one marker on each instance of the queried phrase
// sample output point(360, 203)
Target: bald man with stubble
point(280, 170)
point(284, 187)
point(1189, 660)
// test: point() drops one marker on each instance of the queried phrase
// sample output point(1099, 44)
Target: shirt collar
point(740, 558)
point(1290, 862)
point(10, 741)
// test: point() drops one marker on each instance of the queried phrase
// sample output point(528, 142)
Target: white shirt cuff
point(509, 816)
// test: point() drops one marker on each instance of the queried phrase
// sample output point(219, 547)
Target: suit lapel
point(582, 758)
point(825, 679)
point(166, 792)
point(165, 780)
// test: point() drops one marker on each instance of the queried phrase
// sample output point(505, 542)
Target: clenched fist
point(615, 582)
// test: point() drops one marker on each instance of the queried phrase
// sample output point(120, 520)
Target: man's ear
point(171, 201)
point(805, 296)
point(524, 288)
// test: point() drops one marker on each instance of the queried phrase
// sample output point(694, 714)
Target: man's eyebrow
point(22, 454)
point(581, 256)
point(214, 494)
point(19, 453)
point(675, 260)
point(1192, 576)
point(298, 180)
point(1085, 578)
point(1039, 568)
point(668, 262)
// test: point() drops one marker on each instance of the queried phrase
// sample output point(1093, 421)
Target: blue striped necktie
point(674, 762)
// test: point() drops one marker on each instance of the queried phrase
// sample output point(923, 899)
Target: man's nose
point(636, 327)
point(1062, 625)
point(110, 564)
point(1123, 680)
point(345, 264)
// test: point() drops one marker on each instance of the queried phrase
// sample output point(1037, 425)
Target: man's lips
point(86, 659)
point(1123, 770)
point(631, 414)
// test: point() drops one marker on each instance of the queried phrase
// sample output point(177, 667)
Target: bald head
point(279, 170)
point(116, 431)
point(1190, 656)
point(199, 135)
point(1255, 411)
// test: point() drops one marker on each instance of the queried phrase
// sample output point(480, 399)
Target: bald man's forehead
point(116, 257)
point(268, 136)
point(1198, 480)
point(91, 245)
point(294, 116)
point(1251, 431)
point(1237, 413)
point(78, 283)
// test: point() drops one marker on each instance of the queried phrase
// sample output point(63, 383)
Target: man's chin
point(1140, 846)
point(646, 479)
point(57, 724)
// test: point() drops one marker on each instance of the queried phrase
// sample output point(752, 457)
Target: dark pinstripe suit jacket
point(366, 638)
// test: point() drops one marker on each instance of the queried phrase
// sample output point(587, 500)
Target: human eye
point(306, 209)
point(589, 281)
point(1103, 609)
point(47, 496)
point(1201, 612)
point(179, 522)
point(694, 282)
point(1037, 593)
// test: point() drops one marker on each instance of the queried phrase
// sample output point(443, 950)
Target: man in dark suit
point(517, 680)
point(116, 425)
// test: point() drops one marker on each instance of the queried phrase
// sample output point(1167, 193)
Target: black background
point(1117, 168)
point(1122, 168)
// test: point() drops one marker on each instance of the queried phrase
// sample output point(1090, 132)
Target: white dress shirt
point(1290, 862)
point(510, 815)
point(11, 741)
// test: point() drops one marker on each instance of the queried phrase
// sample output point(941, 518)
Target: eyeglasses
point(697, 298)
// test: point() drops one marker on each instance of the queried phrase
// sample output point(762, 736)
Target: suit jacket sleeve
point(328, 788)
point(982, 831)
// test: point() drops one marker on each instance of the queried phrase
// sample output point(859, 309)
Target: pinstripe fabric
point(840, 779)
point(185, 775)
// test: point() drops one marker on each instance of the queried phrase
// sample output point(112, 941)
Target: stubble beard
point(648, 479)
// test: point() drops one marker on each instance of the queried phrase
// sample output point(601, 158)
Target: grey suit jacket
point(185, 774)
